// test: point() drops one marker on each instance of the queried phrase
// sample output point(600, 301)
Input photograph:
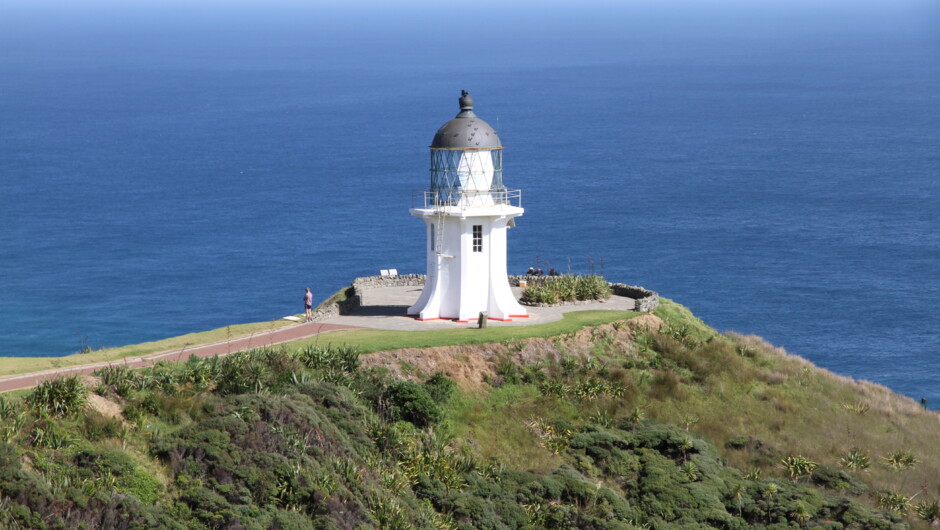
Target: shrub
point(149, 404)
point(592, 287)
point(567, 288)
point(538, 294)
point(412, 402)
point(900, 460)
point(836, 479)
point(894, 501)
point(51, 435)
point(928, 511)
point(7, 409)
point(508, 372)
point(743, 442)
point(60, 397)
point(133, 413)
point(855, 460)
point(342, 358)
point(121, 378)
point(440, 387)
point(798, 466)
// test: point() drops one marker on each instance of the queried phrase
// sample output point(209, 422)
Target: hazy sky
point(480, 32)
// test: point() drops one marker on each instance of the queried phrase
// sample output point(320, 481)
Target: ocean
point(170, 168)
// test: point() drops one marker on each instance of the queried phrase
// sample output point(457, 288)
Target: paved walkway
point(382, 308)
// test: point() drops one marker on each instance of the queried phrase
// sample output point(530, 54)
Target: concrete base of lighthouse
point(466, 264)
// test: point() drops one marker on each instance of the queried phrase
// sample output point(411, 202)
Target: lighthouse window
point(478, 238)
point(433, 236)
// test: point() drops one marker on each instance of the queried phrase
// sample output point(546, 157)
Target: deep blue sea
point(169, 168)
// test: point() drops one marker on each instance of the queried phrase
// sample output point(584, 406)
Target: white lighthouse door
point(474, 267)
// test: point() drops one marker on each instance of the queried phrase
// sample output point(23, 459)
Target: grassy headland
point(655, 421)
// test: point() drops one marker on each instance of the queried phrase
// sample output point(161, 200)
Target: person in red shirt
point(308, 304)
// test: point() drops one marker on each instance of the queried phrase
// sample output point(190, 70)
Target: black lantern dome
point(466, 130)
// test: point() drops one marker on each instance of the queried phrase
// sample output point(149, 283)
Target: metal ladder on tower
point(439, 229)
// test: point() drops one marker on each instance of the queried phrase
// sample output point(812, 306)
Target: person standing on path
point(308, 305)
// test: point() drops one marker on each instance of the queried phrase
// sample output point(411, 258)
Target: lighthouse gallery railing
point(465, 198)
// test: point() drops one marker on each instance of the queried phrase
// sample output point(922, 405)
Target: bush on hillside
point(60, 397)
point(410, 401)
point(440, 387)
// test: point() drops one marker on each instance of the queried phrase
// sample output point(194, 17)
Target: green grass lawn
point(372, 340)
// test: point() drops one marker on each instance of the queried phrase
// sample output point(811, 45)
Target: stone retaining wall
point(645, 300)
point(402, 280)
point(329, 309)
point(355, 292)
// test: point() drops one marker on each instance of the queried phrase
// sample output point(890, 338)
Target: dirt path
point(268, 338)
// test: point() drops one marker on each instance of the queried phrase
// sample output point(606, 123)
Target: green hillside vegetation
point(647, 422)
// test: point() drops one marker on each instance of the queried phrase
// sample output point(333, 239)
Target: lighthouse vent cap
point(466, 102)
point(466, 130)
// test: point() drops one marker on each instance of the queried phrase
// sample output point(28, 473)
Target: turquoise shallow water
point(173, 169)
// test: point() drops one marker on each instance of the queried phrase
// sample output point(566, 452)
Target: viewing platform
point(382, 303)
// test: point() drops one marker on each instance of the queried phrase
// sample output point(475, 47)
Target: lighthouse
point(466, 211)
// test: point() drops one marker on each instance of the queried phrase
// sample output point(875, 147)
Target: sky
point(503, 34)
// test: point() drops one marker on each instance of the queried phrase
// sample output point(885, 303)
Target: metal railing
point(461, 198)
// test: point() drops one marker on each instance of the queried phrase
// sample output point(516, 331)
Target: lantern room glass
point(467, 177)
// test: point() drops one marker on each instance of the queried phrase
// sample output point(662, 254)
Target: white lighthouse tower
point(467, 211)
